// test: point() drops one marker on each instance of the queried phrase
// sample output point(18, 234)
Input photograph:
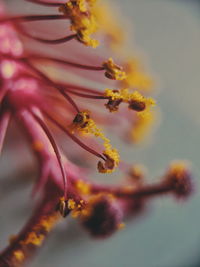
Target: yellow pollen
point(178, 168)
point(77, 208)
point(83, 22)
point(19, 255)
point(49, 221)
point(71, 204)
point(83, 187)
point(113, 71)
point(127, 96)
point(37, 235)
point(86, 125)
point(34, 239)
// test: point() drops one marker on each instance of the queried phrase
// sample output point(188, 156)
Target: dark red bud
point(104, 218)
point(180, 182)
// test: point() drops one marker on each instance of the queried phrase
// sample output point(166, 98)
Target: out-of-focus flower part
point(136, 77)
point(142, 125)
point(41, 102)
point(111, 28)
point(179, 177)
point(102, 216)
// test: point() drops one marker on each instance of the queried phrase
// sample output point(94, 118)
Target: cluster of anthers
point(83, 22)
point(38, 99)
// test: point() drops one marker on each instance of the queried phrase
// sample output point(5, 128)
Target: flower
point(38, 102)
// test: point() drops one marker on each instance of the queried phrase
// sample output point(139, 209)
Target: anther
point(113, 71)
point(113, 104)
point(81, 119)
point(63, 208)
point(137, 105)
point(107, 166)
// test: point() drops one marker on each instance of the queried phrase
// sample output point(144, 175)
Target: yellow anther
point(83, 22)
point(112, 159)
point(83, 123)
point(19, 255)
point(71, 204)
point(136, 101)
point(76, 207)
point(62, 207)
point(113, 71)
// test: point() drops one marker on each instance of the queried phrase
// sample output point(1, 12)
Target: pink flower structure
point(47, 100)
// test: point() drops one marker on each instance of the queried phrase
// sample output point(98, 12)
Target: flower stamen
point(135, 100)
point(113, 71)
point(83, 22)
point(73, 137)
point(83, 123)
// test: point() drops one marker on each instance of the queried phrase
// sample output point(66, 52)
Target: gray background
point(169, 235)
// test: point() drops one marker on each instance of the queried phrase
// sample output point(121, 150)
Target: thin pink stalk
point(4, 121)
point(65, 62)
point(56, 4)
point(49, 82)
point(47, 41)
point(73, 137)
point(55, 148)
point(31, 18)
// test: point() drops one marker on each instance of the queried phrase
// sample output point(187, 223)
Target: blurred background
point(168, 32)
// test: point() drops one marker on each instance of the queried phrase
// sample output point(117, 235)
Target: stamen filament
point(49, 82)
point(55, 148)
point(85, 95)
point(46, 41)
point(32, 18)
point(146, 191)
point(4, 121)
point(56, 4)
point(81, 88)
point(73, 137)
point(65, 62)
